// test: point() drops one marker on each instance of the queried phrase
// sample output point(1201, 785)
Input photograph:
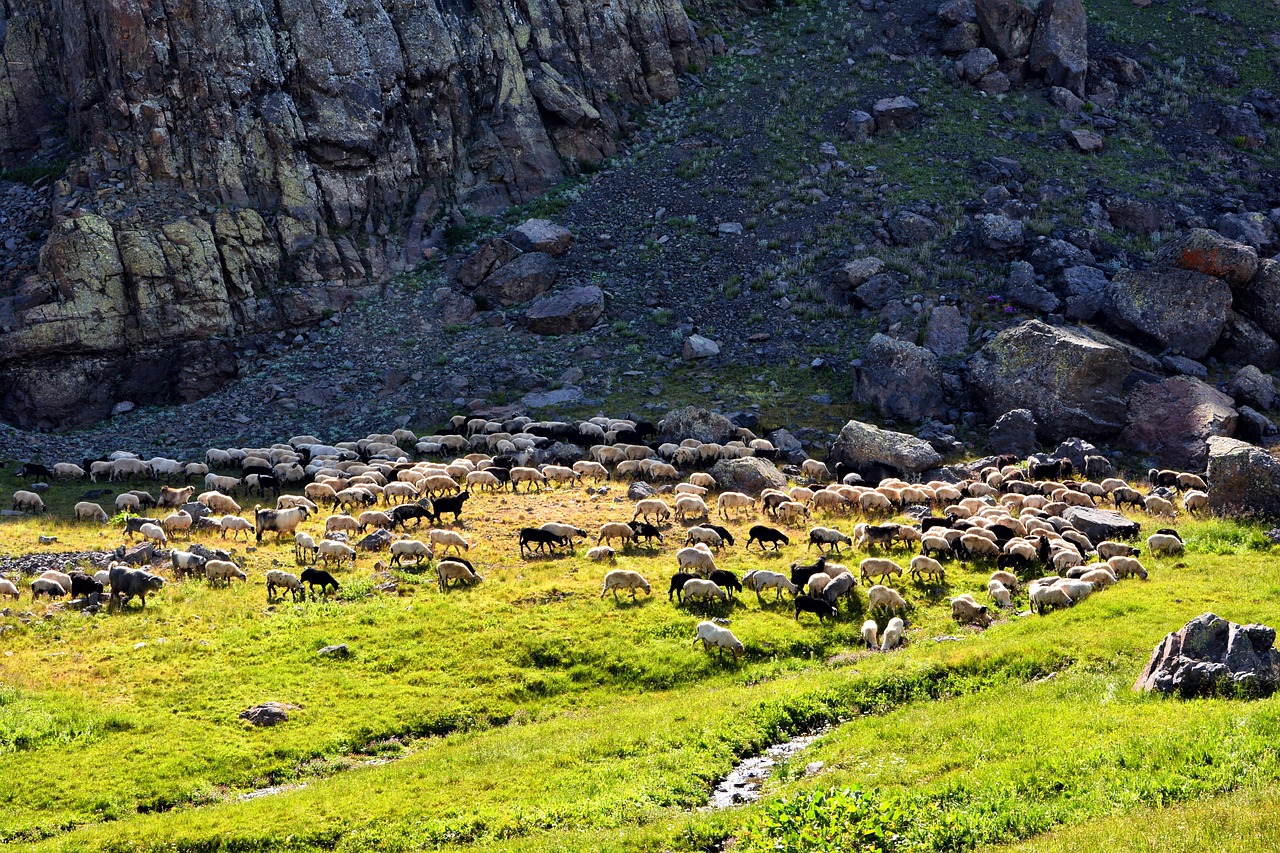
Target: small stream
point(742, 785)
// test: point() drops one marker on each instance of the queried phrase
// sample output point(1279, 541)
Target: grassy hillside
point(527, 714)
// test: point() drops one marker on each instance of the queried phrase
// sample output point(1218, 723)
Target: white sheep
point(1008, 579)
point(830, 537)
point(1163, 543)
point(616, 530)
point(402, 548)
point(697, 559)
point(1099, 576)
point(345, 523)
point(893, 634)
point(726, 501)
point(815, 470)
point(1079, 590)
point(623, 579)
point(155, 533)
point(451, 570)
point(761, 579)
point(965, 610)
point(791, 512)
point(884, 598)
point(277, 579)
point(177, 522)
point(655, 507)
point(304, 548)
point(1108, 549)
point(879, 567)
point(1123, 567)
point(8, 588)
point(706, 536)
point(28, 501)
point(601, 554)
point(712, 635)
point(817, 583)
point(222, 571)
point(448, 539)
point(88, 511)
point(236, 525)
point(219, 503)
point(1158, 506)
point(999, 593)
point(1195, 501)
point(331, 551)
point(688, 506)
point(871, 634)
point(1044, 595)
point(701, 478)
point(927, 567)
point(68, 471)
point(532, 476)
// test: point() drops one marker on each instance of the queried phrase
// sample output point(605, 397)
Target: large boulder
point(1210, 656)
point(947, 332)
point(1173, 418)
point(1246, 479)
point(1184, 310)
point(574, 309)
point(895, 114)
point(1007, 27)
point(1087, 291)
point(1060, 46)
point(1244, 342)
point(750, 475)
point(1014, 432)
point(1101, 524)
point(693, 422)
point(1208, 252)
point(540, 235)
point(1072, 384)
point(1252, 387)
point(519, 280)
point(900, 379)
point(267, 714)
point(1259, 297)
point(865, 446)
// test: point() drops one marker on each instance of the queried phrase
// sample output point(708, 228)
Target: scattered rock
point(1138, 217)
point(1241, 127)
point(1252, 387)
point(1065, 99)
point(1258, 297)
point(976, 64)
point(1173, 419)
point(750, 475)
point(519, 280)
point(693, 422)
point(549, 399)
point(1183, 310)
point(540, 235)
point(998, 233)
point(858, 272)
point(961, 38)
point(899, 378)
point(912, 229)
point(1024, 292)
point(696, 346)
point(1060, 46)
point(453, 307)
point(947, 332)
point(1253, 426)
point(1185, 366)
point(878, 291)
point(1007, 27)
point(1086, 141)
point(862, 445)
point(267, 714)
point(895, 114)
point(1243, 342)
point(859, 126)
point(1246, 479)
point(788, 446)
point(1014, 432)
point(1251, 229)
point(639, 490)
point(1101, 524)
point(1210, 656)
point(574, 309)
point(729, 229)
point(488, 258)
point(1208, 252)
point(1087, 292)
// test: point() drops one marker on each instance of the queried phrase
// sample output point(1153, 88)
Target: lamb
point(967, 611)
point(46, 587)
point(1123, 567)
point(277, 579)
point(893, 634)
point(871, 634)
point(616, 530)
point(1195, 501)
point(1163, 543)
point(304, 548)
point(222, 571)
point(817, 606)
point(999, 594)
point(318, 577)
point(1108, 549)
point(697, 559)
point(602, 553)
point(884, 598)
point(879, 567)
point(155, 533)
point(712, 635)
point(762, 534)
point(623, 579)
point(236, 525)
point(448, 539)
point(28, 501)
point(402, 548)
point(705, 535)
point(761, 580)
point(652, 506)
point(927, 567)
point(88, 511)
point(335, 552)
point(828, 536)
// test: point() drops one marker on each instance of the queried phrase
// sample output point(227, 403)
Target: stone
point(947, 332)
point(1251, 229)
point(729, 229)
point(1183, 310)
point(788, 446)
point(267, 714)
point(1208, 252)
point(1258, 297)
point(1251, 387)
point(1024, 292)
point(693, 422)
point(1173, 418)
point(1086, 141)
point(878, 291)
point(1065, 99)
point(452, 307)
point(123, 407)
point(961, 38)
point(859, 126)
point(1246, 479)
point(957, 12)
point(338, 651)
point(998, 233)
point(1138, 217)
point(750, 475)
point(1240, 126)
point(995, 83)
point(895, 114)
point(900, 379)
point(378, 540)
point(550, 399)
point(1253, 426)
point(858, 272)
point(1072, 383)
point(488, 258)
point(1101, 525)
point(1060, 45)
point(696, 346)
point(574, 309)
point(639, 490)
point(912, 229)
point(519, 280)
point(1087, 291)
point(862, 446)
point(1077, 450)
point(1243, 342)
point(1014, 432)
point(540, 235)
point(1007, 27)
point(1210, 656)
point(975, 64)
point(1186, 366)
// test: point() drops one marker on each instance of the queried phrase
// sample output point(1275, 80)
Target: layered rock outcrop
point(251, 166)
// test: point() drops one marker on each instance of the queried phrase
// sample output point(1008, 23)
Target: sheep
point(374, 518)
point(871, 634)
point(616, 530)
point(817, 583)
point(318, 577)
point(331, 551)
point(128, 468)
point(1195, 501)
point(222, 571)
point(712, 635)
point(62, 578)
point(236, 525)
point(762, 534)
point(651, 506)
point(815, 470)
point(817, 606)
point(1123, 567)
point(885, 598)
point(46, 587)
point(601, 554)
point(320, 492)
point(177, 522)
point(696, 559)
point(277, 579)
point(186, 564)
point(587, 468)
point(893, 634)
point(729, 500)
point(690, 505)
point(448, 539)
point(705, 535)
point(154, 532)
point(967, 611)
point(934, 544)
point(282, 521)
point(68, 471)
point(1163, 543)
point(218, 483)
point(1099, 577)
point(840, 586)
point(304, 548)
point(828, 536)
point(28, 501)
point(926, 567)
point(999, 594)
point(761, 580)
point(1044, 595)
point(623, 579)
point(1156, 505)
point(1008, 579)
point(532, 476)
point(102, 576)
point(219, 503)
point(1185, 482)
point(88, 511)
point(341, 522)
point(703, 590)
point(453, 569)
point(973, 544)
point(1066, 558)
point(7, 587)
point(1079, 590)
point(880, 567)
point(791, 512)
point(1108, 549)
point(402, 548)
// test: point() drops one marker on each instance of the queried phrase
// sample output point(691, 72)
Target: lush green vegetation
point(529, 714)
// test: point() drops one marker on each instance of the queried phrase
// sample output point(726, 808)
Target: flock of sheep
point(1004, 517)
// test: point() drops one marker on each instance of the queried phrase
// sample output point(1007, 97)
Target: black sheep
point(451, 504)
point(762, 534)
point(800, 574)
point(416, 511)
point(540, 537)
point(31, 470)
point(83, 584)
point(318, 577)
point(809, 604)
point(929, 522)
point(724, 532)
point(726, 580)
point(677, 585)
point(647, 532)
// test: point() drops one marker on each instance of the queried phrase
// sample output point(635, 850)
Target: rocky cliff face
point(248, 167)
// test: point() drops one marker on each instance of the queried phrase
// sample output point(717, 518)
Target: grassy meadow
point(528, 714)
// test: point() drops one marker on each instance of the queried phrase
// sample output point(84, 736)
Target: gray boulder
point(479, 266)
point(1086, 291)
point(1007, 27)
point(1014, 432)
point(1210, 656)
point(574, 309)
point(1174, 418)
point(1025, 292)
point(750, 475)
point(862, 445)
point(519, 280)
point(1258, 298)
point(693, 422)
point(1252, 229)
point(1139, 217)
point(912, 229)
point(1244, 342)
point(1101, 524)
point(697, 346)
point(540, 235)
point(998, 233)
point(267, 714)
point(639, 490)
point(899, 378)
point(1246, 479)
point(961, 38)
point(1252, 387)
point(947, 332)
point(341, 650)
point(1208, 252)
point(859, 126)
point(1184, 310)
point(858, 272)
point(1072, 384)
point(453, 307)
point(1060, 46)
point(976, 64)
point(1077, 450)
point(788, 446)
point(895, 114)
point(878, 291)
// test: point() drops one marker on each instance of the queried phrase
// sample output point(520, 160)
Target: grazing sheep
point(335, 552)
point(1183, 482)
point(219, 503)
point(871, 634)
point(616, 530)
point(220, 572)
point(102, 576)
point(402, 548)
point(760, 580)
point(46, 587)
point(1044, 595)
point(1079, 590)
point(967, 611)
point(602, 553)
point(456, 569)
point(999, 594)
point(277, 579)
point(1156, 505)
point(1008, 579)
point(532, 476)
point(1066, 558)
point(7, 587)
point(712, 635)
point(705, 535)
point(815, 470)
point(790, 512)
point(304, 548)
point(175, 498)
point(691, 506)
point(1195, 501)
point(762, 534)
point(568, 531)
point(817, 606)
point(318, 577)
point(177, 522)
point(1099, 577)
point(217, 483)
point(88, 511)
point(651, 506)
point(974, 545)
point(374, 518)
point(689, 489)
point(236, 525)
point(1108, 549)
point(68, 471)
point(28, 502)
point(1126, 496)
point(927, 567)
point(934, 544)
point(282, 521)
point(1123, 567)
point(840, 586)
point(62, 578)
point(879, 567)
point(817, 583)
point(448, 539)
point(885, 598)
point(697, 559)
point(155, 533)
point(828, 536)
point(730, 500)
point(1163, 543)
point(894, 633)
point(186, 564)
point(623, 579)
point(341, 522)
point(539, 538)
